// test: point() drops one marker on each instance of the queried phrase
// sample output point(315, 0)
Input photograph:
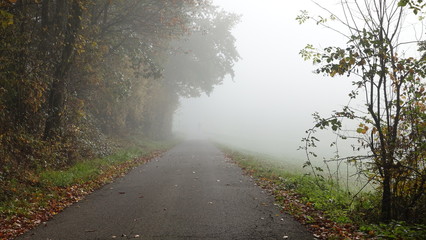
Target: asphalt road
point(191, 192)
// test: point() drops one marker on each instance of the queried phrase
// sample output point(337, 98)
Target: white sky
point(268, 106)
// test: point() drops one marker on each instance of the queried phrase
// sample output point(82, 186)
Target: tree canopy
point(74, 73)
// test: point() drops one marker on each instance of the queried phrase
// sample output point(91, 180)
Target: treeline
point(76, 72)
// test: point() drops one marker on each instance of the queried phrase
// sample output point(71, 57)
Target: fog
point(267, 107)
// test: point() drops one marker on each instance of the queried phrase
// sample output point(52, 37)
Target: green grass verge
point(335, 202)
point(20, 197)
point(88, 170)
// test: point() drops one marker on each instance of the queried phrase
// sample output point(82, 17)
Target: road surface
point(191, 192)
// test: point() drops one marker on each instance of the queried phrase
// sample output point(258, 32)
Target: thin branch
point(362, 188)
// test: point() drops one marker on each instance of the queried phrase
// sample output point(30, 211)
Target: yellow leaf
point(6, 18)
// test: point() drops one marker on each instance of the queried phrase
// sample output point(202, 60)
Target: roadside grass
point(45, 192)
point(325, 208)
point(88, 170)
point(324, 196)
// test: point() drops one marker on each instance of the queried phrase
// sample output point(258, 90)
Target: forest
point(77, 74)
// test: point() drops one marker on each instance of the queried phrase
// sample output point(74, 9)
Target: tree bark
point(44, 13)
point(58, 88)
point(386, 211)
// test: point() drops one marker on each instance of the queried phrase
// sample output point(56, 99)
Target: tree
point(391, 130)
point(74, 72)
point(201, 60)
point(55, 110)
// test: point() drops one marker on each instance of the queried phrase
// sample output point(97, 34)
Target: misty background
point(268, 106)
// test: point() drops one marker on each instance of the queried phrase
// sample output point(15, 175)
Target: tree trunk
point(21, 15)
point(58, 87)
point(44, 13)
point(386, 211)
